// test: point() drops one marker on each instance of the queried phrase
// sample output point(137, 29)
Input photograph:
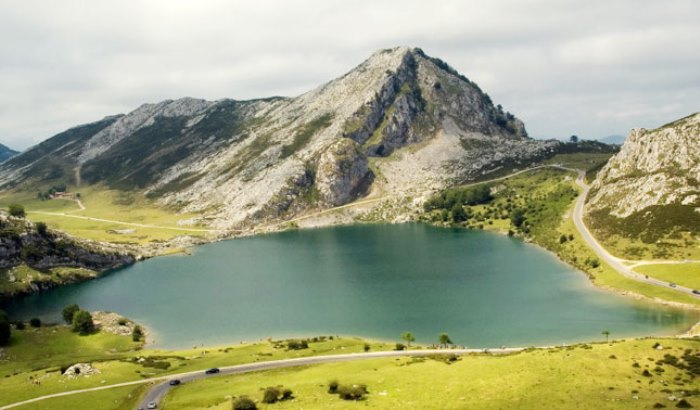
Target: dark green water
point(374, 281)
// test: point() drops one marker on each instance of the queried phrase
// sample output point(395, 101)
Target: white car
point(152, 405)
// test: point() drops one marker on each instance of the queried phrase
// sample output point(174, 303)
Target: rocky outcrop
point(22, 244)
point(413, 120)
point(653, 168)
point(343, 173)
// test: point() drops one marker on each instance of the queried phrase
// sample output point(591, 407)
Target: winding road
point(603, 254)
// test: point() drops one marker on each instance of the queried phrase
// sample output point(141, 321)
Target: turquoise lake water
point(374, 281)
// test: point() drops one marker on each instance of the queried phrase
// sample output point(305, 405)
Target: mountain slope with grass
point(400, 123)
point(650, 191)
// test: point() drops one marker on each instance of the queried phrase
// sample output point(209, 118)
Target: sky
point(591, 68)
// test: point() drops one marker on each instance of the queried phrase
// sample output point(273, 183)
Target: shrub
point(296, 344)
point(35, 322)
point(683, 404)
point(287, 394)
point(19, 325)
point(82, 322)
point(5, 329)
point(355, 392)
point(400, 346)
point(333, 386)
point(17, 211)
point(41, 228)
point(563, 239)
point(69, 312)
point(137, 333)
point(367, 347)
point(271, 395)
point(244, 403)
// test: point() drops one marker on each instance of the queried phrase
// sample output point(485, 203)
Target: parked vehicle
point(673, 285)
point(213, 370)
point(152, 405)
point(174, 382)
point(697, 292)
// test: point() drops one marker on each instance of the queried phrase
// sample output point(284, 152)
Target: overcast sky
point(591, 68)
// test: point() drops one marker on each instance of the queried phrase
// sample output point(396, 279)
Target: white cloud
point(565, 67)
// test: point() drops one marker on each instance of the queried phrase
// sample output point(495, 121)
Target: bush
point(244, 403)
point(295, 344)
point(35, 322)
point(333, 386)
point(137, 333)
point(356, 392)
point(5, 329)
point(271, 395)
point(367, 347)
point(563, 239)
point(69, 312)
point(41, 228)
point(287, 394)
point(17, 211)
point(683, 404)
point(400, 346)
point(19, 325)
point(82, 322)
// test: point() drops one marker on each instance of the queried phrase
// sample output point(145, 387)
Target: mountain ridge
point(6, 153)
point(400, 122)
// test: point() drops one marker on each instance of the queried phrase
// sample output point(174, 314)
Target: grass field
point(593, 376)
point(100, 203)
point(685, 274)
point(38, 355)
point(599, 376)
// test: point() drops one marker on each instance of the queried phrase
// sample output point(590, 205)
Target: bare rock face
point(80, 369)
point(342, 172)
point(653, 168)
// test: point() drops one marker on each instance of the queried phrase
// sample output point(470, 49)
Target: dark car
point(697, 292)
point(174, 382)
point(212, 371)
point(673, 285)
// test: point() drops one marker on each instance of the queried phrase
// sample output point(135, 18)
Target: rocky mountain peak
point(654, 167)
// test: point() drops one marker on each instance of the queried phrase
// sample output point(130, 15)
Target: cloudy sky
point(591, 68)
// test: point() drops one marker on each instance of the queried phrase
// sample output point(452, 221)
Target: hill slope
point(651, 188)
point(401, 122)
point(6, 153)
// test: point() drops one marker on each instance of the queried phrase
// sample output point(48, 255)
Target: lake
point(374, 281)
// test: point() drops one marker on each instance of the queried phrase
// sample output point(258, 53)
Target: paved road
point(159, 391)
point(603, 254)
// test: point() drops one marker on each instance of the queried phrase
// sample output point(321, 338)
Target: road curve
point(159, 391)
point(603, 254)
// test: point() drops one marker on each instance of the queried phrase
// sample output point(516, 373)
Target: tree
point(35, 322)
point(17, 211)
point(5, 329)
point(606, 333)
point(444, 339)
point(244, 403)
point(408, 337)
point(458, 213)
point(517, 217)
point(69, 312)
point(82, 322)
point(573, 139)
point(41, 228)
point(562, 239)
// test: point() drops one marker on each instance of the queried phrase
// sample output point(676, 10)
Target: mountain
point(400, 123)
point(613, 139)
point(652, 186)
point(6, 153)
